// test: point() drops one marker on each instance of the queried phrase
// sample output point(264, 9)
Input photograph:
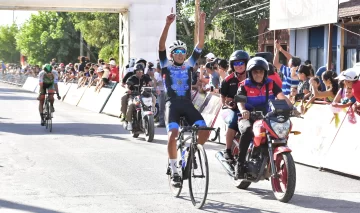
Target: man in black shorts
point(177, 78)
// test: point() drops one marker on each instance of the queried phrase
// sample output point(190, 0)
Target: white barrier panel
point(113, 105)
point(63, 89)
point(318, 129)
point(31, 84)
point(344, 153)
point(212, 108)
point(74, 94)
point(94, 101)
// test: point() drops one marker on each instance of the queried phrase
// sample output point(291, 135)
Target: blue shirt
point(287, 80)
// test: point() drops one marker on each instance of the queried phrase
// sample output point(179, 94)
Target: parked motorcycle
point(143, 117)
point(268, 156)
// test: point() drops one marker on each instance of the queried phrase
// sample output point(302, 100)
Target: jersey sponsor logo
point(179, 77)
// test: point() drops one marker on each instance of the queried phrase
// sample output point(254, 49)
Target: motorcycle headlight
point(281, 129)
point(147, 101)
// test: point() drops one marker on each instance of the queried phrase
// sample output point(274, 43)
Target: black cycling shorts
point(176, 108)
point(49, 87)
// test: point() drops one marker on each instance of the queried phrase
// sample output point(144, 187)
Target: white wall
point(146, 24)
point(301, 49)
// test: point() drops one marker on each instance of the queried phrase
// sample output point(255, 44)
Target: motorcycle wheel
point(149, 128)
point(242, 184)
point(283, 186)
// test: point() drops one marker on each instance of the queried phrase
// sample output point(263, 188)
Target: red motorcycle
point(268, 156)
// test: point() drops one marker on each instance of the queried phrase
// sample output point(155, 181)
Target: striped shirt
point(287, 81)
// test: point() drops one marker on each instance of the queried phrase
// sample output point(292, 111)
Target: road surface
point(90, 164)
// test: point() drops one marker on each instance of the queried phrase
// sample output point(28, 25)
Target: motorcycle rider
point(229, 87)
point(258, 89)
point(137, 79)
point(125, 97)
point(177, 83)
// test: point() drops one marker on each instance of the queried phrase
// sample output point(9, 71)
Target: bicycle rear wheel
point(199, 176)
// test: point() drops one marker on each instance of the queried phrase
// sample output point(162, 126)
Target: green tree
point(99, 30)
point(236, 20)
point(48, 35)
point(8, 51)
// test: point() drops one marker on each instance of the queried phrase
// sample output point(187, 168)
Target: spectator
point(53, 62)
point(286, 71)
point(161, 95)
point(293, 93)
point(351, 80)
point(83, 64)
point(347, 100)
point(210, 57)
point(307, 62)
point(304, 77)
point(222, 69)
point(114, 71)
point(214, 77)
point(101, 62)
point(319, 73)
point(274, 75)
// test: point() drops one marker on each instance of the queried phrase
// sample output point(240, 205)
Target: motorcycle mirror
point(240, 99)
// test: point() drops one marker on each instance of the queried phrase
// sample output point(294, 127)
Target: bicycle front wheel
point(199, 176)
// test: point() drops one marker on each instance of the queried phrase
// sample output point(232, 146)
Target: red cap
point(62, 65)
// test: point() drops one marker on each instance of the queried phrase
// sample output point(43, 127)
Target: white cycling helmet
point(349, 75)
point(177, 44)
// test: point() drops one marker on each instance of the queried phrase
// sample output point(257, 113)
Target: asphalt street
point(90, 164)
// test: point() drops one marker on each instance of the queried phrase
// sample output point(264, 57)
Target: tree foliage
point(8, 51)
point(48, 35)
point(222, 15)
point(100, 30)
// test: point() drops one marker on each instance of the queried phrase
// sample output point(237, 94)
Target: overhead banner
point(292, 14)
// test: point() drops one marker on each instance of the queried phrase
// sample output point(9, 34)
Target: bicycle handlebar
point(195, 128)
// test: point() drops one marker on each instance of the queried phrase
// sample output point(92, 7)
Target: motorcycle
point(143, 116)
point(268, 156)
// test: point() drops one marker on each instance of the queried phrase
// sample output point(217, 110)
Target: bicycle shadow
point(311, 202)
point(218, 206)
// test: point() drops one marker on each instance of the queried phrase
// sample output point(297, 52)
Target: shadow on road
point(15, 98)
point(311, 202)
point(23, 207)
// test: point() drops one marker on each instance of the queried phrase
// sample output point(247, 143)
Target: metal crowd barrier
point(14, 79)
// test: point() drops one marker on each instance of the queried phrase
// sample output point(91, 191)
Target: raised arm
point(169, 20)
point(201, 34)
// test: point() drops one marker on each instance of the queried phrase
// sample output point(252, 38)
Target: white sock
point(173, 166)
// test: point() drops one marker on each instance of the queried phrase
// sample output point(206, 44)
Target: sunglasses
point(179, 51)
point(238, 63)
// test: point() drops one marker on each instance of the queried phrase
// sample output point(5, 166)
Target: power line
point(253, 11)
point(254, 6)
point(221, 8)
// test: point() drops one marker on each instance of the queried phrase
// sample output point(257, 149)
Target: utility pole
point(329, 58)
point(13, 16)
point(197, 13)
point(81, 44)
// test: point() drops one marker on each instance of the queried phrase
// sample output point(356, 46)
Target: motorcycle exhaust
point(220, 156)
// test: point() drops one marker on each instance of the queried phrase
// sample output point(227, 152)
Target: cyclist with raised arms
point(177, 82)
point(48, 79)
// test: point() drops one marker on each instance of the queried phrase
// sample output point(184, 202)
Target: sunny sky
point(20, 16)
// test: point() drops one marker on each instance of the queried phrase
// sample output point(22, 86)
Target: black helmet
point(257, 63)
point(239, 55)
point(138, 67)
point(141, 60)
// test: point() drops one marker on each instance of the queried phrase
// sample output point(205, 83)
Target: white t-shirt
point(159, 80)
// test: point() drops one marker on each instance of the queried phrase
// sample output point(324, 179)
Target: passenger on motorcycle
point(137, 79)
point(177, 83)
point(259, 89)
point(229, 87)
